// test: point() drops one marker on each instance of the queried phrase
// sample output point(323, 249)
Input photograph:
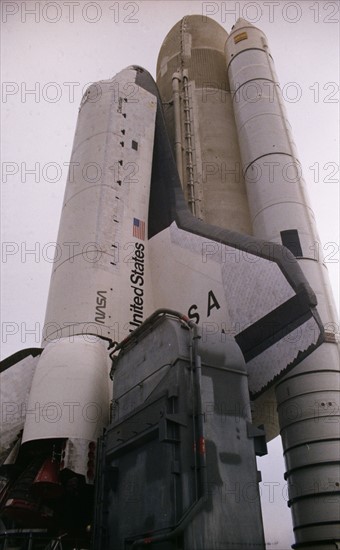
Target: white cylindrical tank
point(308, 398)
point(278, 202)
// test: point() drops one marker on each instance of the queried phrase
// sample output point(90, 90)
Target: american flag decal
point(138, 229)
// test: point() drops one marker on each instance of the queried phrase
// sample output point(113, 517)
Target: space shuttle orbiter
point(128, 245)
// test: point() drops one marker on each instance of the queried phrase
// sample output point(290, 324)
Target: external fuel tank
point(195, 92)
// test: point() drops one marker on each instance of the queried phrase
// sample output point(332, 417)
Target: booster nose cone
point(244, 36)
point(241, 23)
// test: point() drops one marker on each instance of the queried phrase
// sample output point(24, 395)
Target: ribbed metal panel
point(207, 68)
point(317, 406)
point(309, 454)
point(325, 534)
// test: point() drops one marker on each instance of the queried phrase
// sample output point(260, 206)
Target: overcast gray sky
point(51, 51)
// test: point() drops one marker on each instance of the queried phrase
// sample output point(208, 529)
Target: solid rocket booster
point(280, 212)
point(273, 194)
point(277, 196)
